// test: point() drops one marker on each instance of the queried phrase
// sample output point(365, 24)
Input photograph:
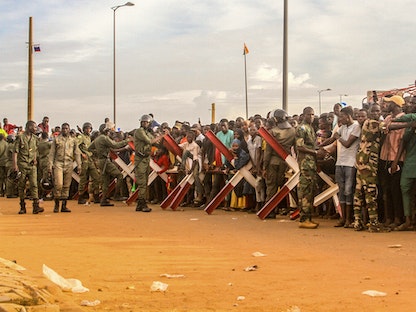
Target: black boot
point(142, 206)
point(22, 207)
point(106, 203)
point(56, 207)
point(96, 198)
point(36, 208)
point(63, 208)
point(82, 198)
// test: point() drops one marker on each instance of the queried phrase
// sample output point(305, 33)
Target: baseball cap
point(397, 99)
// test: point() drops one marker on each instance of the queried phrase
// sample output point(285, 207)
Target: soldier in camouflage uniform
point(143, 140)
point(101, 148)
point(64, 151)
point(3, 161)
point(367, 165)
point(11, 187)
point(306, 148)
point(274, 167)
point(88, 168)
point(25, 161)
point(43, 155)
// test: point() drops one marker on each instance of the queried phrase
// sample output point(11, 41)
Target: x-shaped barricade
point(175, 197)
point(289, 185)
point(243, 172)
point(152, 175)
point(294, 180)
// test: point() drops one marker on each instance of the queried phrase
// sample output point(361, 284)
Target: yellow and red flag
point(246, 51)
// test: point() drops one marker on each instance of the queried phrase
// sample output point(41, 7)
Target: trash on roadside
point(293, 309)
point(251, 268)
point(258, 254)
point(67, 284)
point(88, 303)
point(194, 219)
point(395, 246)
point(172, 275)
point(374, 293)
point(158, 286)
point(11, 265)
point(240, 298)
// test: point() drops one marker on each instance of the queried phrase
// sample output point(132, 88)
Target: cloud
point(10, 87)
point(267, 77)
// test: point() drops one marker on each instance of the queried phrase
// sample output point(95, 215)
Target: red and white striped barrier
point(289, 185)
point(152, 176)
point(292, 183)
point(176, 196)
point(244, 172)
point(332, 191)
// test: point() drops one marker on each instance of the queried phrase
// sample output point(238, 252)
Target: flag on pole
point(36, 48)
point(246, 51)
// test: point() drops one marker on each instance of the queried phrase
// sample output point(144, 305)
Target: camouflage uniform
point(64, 151)
point(101, 147)
point(26, 148)
point(273, 164)
point(305, 136)
point(142, 145)
point(3, 160)
point(11, 188)
point(367, 164)
point(43, 154)
point(88, 168)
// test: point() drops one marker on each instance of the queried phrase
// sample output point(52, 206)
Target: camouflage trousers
point(275, 178)
point(88, 170)
point(365, 195)
point(141, 172)
point(28, 172)
point(109, 171)
point(306, 192)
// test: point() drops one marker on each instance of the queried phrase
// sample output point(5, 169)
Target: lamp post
point(319, 94)
point(340, 98)
point(114, 55)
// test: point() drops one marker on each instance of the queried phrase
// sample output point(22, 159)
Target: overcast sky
point(175, 58)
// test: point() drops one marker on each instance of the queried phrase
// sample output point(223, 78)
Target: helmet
point(87, 125)
point(10, 138)
point(47, 184)
point(147, 118)
point(280, 115)
point(103, 128)
point(14, 176)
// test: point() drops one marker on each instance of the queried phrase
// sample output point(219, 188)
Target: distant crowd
point(369, 152)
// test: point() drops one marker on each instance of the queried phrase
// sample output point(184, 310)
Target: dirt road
point(118, 253)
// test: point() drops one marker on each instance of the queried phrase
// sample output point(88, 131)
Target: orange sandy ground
point(117, 253)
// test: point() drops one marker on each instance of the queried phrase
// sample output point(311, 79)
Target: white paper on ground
point(11, 265)
point(374, 293)
point(67, 284)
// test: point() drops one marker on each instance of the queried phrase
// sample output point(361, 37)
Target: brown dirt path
point(117, 253)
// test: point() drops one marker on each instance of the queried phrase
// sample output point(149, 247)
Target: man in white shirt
point(347, 146)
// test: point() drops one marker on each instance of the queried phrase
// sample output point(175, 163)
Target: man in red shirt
point(9, 128)
point(44, 125)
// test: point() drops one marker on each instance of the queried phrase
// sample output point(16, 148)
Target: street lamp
point(340, 98)
point(319, 93)
point(114, 55)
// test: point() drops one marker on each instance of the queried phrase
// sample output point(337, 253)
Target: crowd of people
point(369, 152)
